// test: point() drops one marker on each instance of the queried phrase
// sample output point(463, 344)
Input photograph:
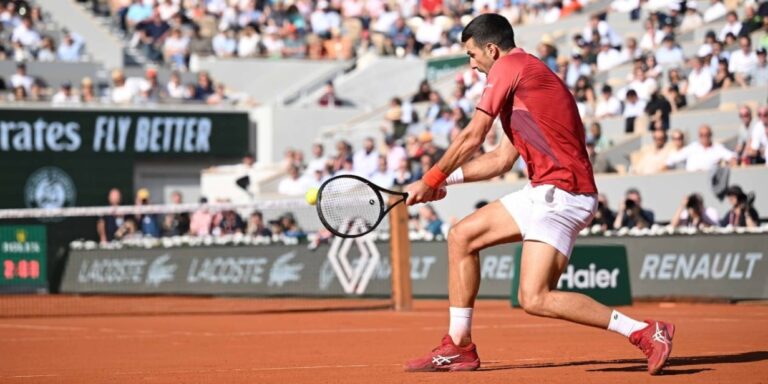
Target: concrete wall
point(278, 128)
point(269, 80)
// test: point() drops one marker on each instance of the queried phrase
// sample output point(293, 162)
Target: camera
point(750, 199)
point(630, 204)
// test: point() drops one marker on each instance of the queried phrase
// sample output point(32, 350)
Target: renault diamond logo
point(354, 275)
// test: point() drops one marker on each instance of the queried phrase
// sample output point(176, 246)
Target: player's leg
point(490, 225)
point(540, 269)
point(551, 231)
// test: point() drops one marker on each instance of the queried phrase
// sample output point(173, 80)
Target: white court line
point(158, 334)
point(28, 376)
point(43, 327)
point(305, 367)
point(227, 370)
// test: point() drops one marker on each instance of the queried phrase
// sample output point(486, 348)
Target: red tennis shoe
point(655, 341)
point(446, 357)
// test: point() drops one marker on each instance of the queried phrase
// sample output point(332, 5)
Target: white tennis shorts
point(551, 215)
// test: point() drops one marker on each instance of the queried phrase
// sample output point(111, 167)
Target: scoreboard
point(23, 258)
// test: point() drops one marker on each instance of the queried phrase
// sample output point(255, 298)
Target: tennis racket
point(351, 206)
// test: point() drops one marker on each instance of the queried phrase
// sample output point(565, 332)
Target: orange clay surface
point(714, 343)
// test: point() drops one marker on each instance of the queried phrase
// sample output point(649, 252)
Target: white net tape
point(32, 213)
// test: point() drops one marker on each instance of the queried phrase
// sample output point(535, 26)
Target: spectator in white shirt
point(758, 77)
point(175, 88)
point(699, 80)
point(319, 160)
point(21, 79)
point(608, 57)
point(692, 19)
point(365, 160)
point(293, 184)
point(703, 155)
point(383, 176)
point(624, 6)
point(65, 95)
point(642, 84)
point(552, 13)
point(603, 29)
point(608, 105)
point(175, 48)
point(759, 143)
point(630, 51)
point(273, 44)
point(224, 43)
point(732, 26)
point(715, 11)
point(121, 93)
point(669, 53)
point(576, 68)
point(743, 60)
point(70, 47)
point(248, 45)
point(25, 34)
point(428, 33)
point(45, 53)
point(167, 9)
point(746, 129)
point(651, 38)
point(633, 108)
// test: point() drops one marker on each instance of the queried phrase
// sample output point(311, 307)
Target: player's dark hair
point(490, 28)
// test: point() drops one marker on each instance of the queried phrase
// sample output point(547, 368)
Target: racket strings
point(350, 206)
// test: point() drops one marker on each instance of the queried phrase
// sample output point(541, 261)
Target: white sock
point(623, 324)
point(461, 323)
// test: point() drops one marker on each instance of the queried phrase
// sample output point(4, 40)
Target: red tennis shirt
point(540, 118)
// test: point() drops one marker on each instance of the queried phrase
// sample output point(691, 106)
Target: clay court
point(195, 340)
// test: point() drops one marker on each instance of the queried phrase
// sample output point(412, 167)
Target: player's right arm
point(491, 164)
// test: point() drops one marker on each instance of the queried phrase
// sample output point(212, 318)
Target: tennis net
point(265, 256)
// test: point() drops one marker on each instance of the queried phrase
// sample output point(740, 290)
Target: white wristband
point(456, 177)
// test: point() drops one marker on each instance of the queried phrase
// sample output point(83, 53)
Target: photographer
point(692, 213)
point(631, 213)
point(604, 217)
point(742, 213)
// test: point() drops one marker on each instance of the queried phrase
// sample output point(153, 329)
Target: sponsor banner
point(123, 132)
point(23, 259)
point(598, 271)
point(732, 267)
point(349, 268)
point(58, 158)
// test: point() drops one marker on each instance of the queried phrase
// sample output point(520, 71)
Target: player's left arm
point(459, 152)
point(491, 164)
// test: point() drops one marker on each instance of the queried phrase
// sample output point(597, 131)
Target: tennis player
point(542, 125)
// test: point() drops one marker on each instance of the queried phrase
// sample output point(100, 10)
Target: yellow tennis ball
point(311, 196)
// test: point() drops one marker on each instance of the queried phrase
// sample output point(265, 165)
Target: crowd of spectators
point(172, 30)
point(200, 223)
point(121, 90)
point(691, 213)
point(669, 150)
point(27, 35)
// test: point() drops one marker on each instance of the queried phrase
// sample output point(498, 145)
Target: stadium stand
point(279, 59)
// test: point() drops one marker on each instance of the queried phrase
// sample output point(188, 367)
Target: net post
point(400, 245)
